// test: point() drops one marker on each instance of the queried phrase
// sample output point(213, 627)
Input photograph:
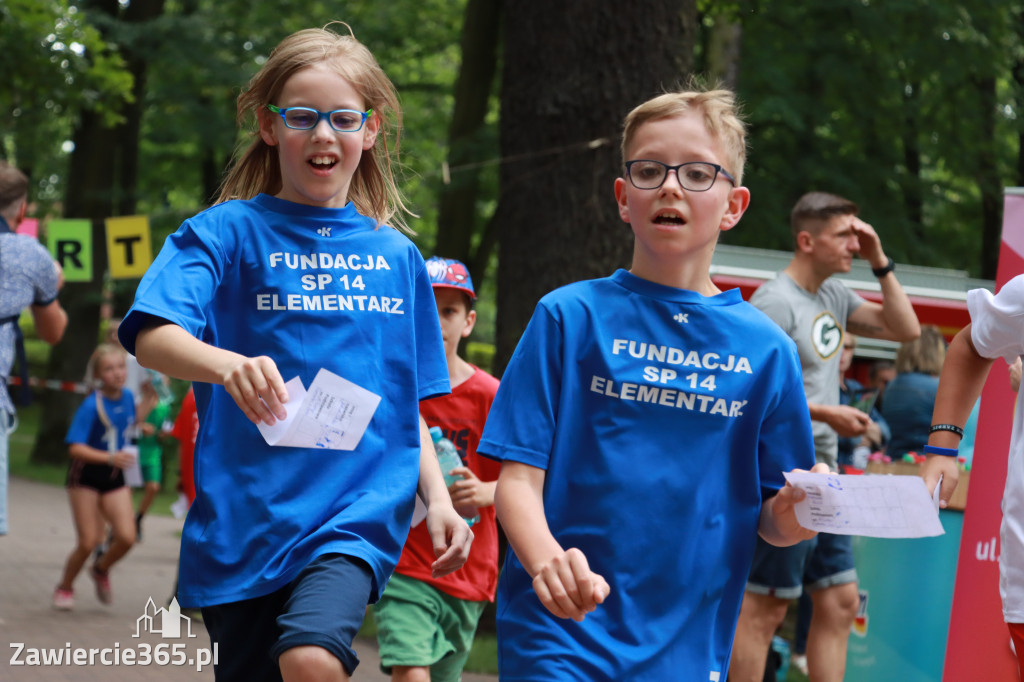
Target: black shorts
point(98, 477)
point(323, 606)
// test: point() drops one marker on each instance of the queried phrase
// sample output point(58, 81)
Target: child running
point(95, 481)
point(153, 411)
point(425, 625)
point(644, 423)
point(297, 270)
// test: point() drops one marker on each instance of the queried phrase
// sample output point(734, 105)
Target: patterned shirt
point(27, 277)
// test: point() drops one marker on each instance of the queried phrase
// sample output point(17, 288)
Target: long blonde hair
point(257, 169)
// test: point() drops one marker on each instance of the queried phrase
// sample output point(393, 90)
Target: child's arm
point(91, 455)
point(963, 376)
point(448, 531)
point(254, 383)
point(778, 525)
point(471, 493)
point(562, 578)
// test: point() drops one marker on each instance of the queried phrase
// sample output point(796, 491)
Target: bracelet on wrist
point(947, 427)
point(884, 270)
point(936, 450)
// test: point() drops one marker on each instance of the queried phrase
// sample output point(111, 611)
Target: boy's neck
point(692, 275)
point(459, 371)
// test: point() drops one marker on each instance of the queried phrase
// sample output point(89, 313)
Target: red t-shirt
point(461, 416)
point(186, 428)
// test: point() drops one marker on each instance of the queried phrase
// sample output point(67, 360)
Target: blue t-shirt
point(662, 419)
point(311, 288)
point(87, 428)
point(909, 401)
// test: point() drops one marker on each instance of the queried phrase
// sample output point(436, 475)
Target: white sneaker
point(799, 661)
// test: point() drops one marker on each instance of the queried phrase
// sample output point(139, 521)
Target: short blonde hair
point(721, 117)
point(924, 354)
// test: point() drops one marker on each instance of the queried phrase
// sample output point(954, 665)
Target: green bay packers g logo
point(826, 335)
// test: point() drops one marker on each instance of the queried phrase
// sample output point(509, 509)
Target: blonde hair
point(257, 169)
point(721, 118)
point(102, 351)
point(924, 354)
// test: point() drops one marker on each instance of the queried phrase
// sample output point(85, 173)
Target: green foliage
point(54, 64)
point(880, 103)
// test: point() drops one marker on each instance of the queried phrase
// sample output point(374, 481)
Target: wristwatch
point(884, 270)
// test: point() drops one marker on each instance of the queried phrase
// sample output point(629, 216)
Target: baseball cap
point(448, 273)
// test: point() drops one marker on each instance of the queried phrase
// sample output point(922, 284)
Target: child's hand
point(122, 460)
point(451, 537)
point(258, 389)
point(147, 429)
point(568, 588)
point(470, 493)
point(947, 469)
point(784, 515)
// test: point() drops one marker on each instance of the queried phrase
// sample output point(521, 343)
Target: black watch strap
point(884, 270)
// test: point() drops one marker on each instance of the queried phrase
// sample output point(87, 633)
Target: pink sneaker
point(63, 600)
point(103, 591)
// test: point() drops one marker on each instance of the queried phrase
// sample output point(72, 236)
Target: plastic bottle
point(448, 458)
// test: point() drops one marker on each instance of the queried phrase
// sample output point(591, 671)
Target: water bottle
point(448, 458)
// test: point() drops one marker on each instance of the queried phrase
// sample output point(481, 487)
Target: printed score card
point(878, 506)
point(333, 414)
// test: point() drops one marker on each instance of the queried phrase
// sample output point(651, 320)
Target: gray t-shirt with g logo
point(816, 323)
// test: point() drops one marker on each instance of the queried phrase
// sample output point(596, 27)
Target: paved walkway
point(31, 558)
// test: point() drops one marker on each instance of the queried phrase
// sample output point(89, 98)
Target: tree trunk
point(459, 215)
point(572, 71)
point(989, 182)
point(101, 183)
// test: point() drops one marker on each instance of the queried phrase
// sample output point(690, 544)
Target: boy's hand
point(784, 516)
point(567, 587)
point(147, 429)
point(451, 537)
point(469, 494)
point(258, 389)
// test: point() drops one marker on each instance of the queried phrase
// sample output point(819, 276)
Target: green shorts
point(418, 625)
point(151, 464)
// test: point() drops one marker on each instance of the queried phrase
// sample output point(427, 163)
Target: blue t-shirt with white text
point(311, 288)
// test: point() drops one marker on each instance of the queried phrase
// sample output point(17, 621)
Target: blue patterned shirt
point(27, 277)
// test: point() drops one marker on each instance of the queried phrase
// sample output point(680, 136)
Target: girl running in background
point(95, 482)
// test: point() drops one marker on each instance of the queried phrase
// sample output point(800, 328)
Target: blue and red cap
point(448, 273)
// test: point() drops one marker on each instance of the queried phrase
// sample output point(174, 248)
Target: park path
point(31, 558)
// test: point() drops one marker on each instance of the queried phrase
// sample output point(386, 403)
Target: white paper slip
point(333, 414)
point(871, 505)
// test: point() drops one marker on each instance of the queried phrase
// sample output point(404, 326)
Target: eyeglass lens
point(342, 120)
point(695, 176)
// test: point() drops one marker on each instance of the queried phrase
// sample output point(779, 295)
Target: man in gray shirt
point(29, 278)
point(816, 311)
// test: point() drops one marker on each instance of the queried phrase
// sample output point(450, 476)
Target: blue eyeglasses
point(304, 118)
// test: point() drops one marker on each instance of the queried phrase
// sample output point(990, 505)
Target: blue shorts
point(784, 572)
point(324, 606)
